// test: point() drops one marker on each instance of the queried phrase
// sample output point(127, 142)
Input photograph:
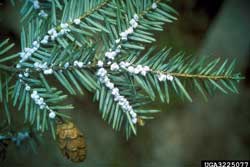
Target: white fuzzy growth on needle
point(77, 21)
point(162, 77)
point(100, 63)
point(36, 4)
point(136, 17)
point(66, 65)
point(122, 101)
point(114, 67)
point(124, 35)
point(154, 5)
point(52, 115)
point(43, 14)
point(135, 69)
point(133, 23)
point(170, 77)
point(39, 100)
point(48, 71)
point(27, 87)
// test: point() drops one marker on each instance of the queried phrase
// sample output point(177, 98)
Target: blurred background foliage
point(184, 133)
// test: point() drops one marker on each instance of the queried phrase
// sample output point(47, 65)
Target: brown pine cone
point(71, 142)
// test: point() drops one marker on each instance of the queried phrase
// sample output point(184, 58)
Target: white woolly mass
point(34, 95)
point(139, 69)
point(48, 71)
point(111, 55)
point(101, 72)
point(164, 77)
point(52, 31)
point(154, 5)
point(170, 77)
point(130, 30)
point(118, 49)
point(27, 87)
point(18, 65)
point(45, 40)
point(134, 69)
point(66, 65)
point(123, 36)
point(122, 101)
point(35, 44)
point(114, 67)
point(44, 67)
point(64, 25)
point(77, 21)
point(52, 115)
point(36, 4)
point(26, 74)
point(53, 34)
point(100, 63)
point(40, 101)
point(136, 17)
point(28, 52)
point(133, 23)
point(78, 64)
point(43, 14)
point(117, 41)
point(124, 64)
